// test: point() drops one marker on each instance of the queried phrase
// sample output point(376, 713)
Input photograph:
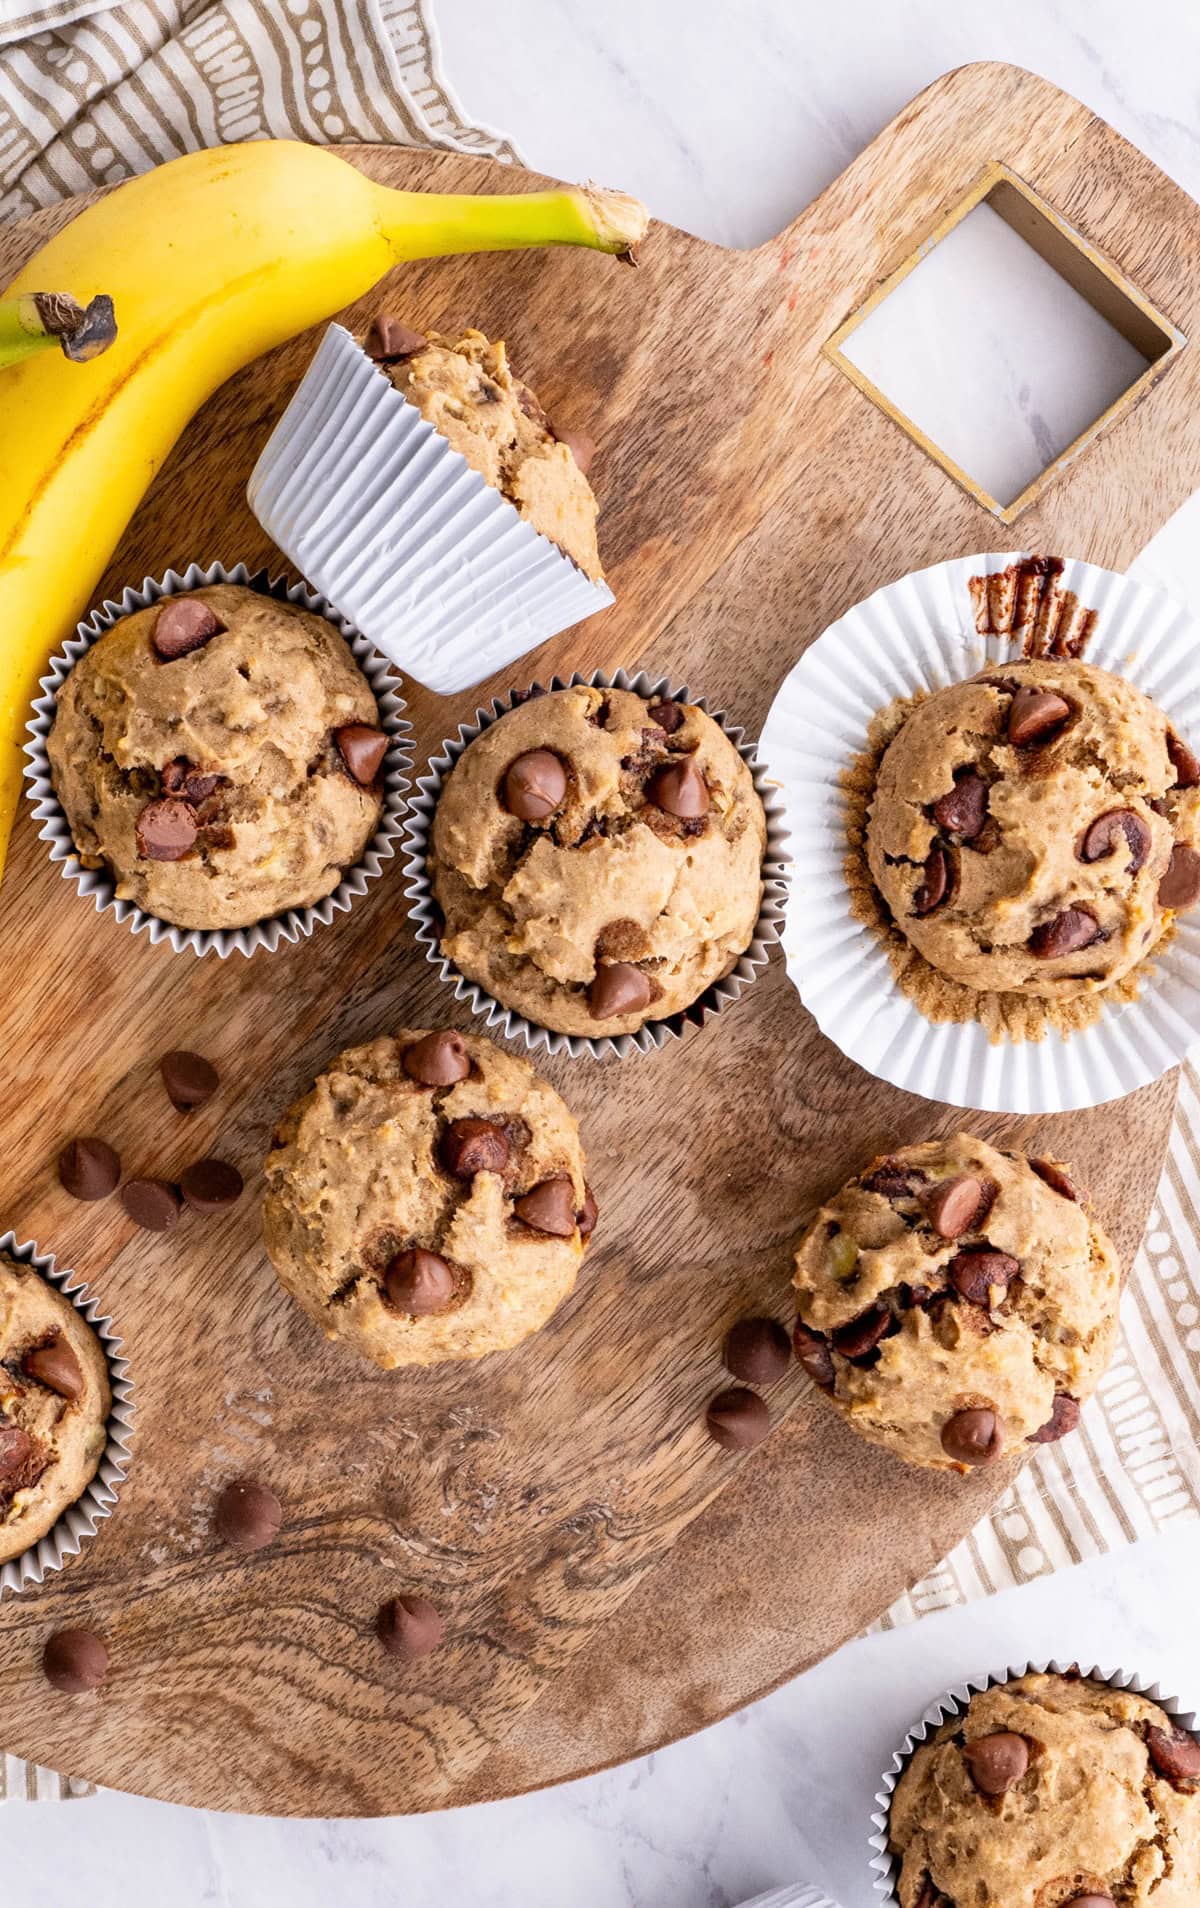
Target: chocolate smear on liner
point(1027, 604)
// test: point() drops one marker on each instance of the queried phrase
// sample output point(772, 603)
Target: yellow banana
point(209, 261)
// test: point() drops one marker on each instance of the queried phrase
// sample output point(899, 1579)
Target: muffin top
point(465, 388)
point(1050, 1791)
point(1036, 828)
point(427, 1199)
point(598, 859)
point(957, 1303)
point(221, 752)
point(54, 1406)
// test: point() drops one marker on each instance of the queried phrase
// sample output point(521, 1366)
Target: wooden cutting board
point(610, 1577)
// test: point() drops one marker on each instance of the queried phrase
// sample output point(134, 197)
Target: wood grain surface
point(605, 1590)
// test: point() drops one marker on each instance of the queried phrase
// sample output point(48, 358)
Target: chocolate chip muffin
point(466, 389)
point(1050, 1792)
point(1036, 828)
point(54, 1406)
point(957, 1304)
point(427, 1199)
point(598, 859)
point(221, 752)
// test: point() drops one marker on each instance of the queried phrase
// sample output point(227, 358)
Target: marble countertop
point(727, 116)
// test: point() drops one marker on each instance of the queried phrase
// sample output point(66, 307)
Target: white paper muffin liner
point(98, 883)
point(78, 1522)
point(799, 1895)
point(373, 505)
point(884, 1866)
point(654, 1033)
point(920, 634)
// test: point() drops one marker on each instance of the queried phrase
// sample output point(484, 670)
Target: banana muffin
point(1050, 1792)
point(467, 390)
point(427, 1199)
point(54, 1406)
point(1036, 828)
point(598, 859)
point(957, 1304)
point(221, 752)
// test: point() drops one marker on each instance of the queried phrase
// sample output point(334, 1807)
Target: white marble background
point(727, 116)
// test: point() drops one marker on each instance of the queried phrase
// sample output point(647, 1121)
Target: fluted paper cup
point(78, 1522)
point(378, 511)
point(920, 634)
point(654, 1033)
point(884, 1867)
point(98, 883)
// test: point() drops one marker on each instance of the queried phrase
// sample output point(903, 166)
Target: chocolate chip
point(362, 749)
point(471, 1146)
point(419, 1283)
point(16, 1454)
point(74, 1661)
point(189, 1078)
point(211, 1185)
point(390, 339)
point(1055, 1178)
point(953, 1204)
point(166, 830)
point(88, 1168)
point(193, 784)
point(153, 1203)
point(581, 446)
point(1116, 827)
point(928, 1896)
point(409, 1627)
point(548, 1207)
point(862, 1334)
point(56, 1366)
point(619, 988)
point(587, 1217)
point(937, 881)
point(1067, 933)
point(737, 1419)
point(183, 624)
point(974, 1436)
point(1035, 715)
point(963, 811)
point(248, 1515)
point(997, 1762)
point(437, 1059)
point(758, 1351)
point(668, 715)
point(893, 1180)
point(534, 785)
point(1174, 1754)
point(1184, 761)
point(1180, 886)
point(1063, 1418)
point(974, 1273)
point(813, 1355)
point(679, 789)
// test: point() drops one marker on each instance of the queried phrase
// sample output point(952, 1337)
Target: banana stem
point(38, 320)
point(431, 224)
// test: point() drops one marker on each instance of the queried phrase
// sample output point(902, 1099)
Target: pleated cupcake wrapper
point(920, 634)
point(374, 506)
point(78, 1522)
point(884, 1865)
point(655, 1033)
point(799, 1895)
point(99, 884)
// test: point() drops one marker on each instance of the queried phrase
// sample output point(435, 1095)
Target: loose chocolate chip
point(89, 1169)
point(1067, 933)
point(409, 1627)
point(389, 338)
point(183, 624)
point(473, 1146)
point(587, 1217)
point(952, 1205)
point(758, 1351)
point(189, 1078)
point(1184, 761)
point(152, 1203)
point(1035, 715)
point(549, 1207)
point(56, 1366)
point(437, 1059)
point(997, 1762)
point(1117, 827)
point(668, 715)
point(1055, 1178)
point(863, 1333)
point(581, 446)
point(963, 811)
point(679, 789)
point(362, 749)
point(973, 1274)
point(16, 1452)
point(211, 1185)
point(166, 830)
point(813, 1355)
point(534, 785)
point(619, 988)
point(1063, 1418)
point(248, 1515)
point(737, 1419)
point(419, 1283)
point(1174, 1754)
point(1180, 886)
point(937, 881)
point(74, 1661)
point(975, 1436)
